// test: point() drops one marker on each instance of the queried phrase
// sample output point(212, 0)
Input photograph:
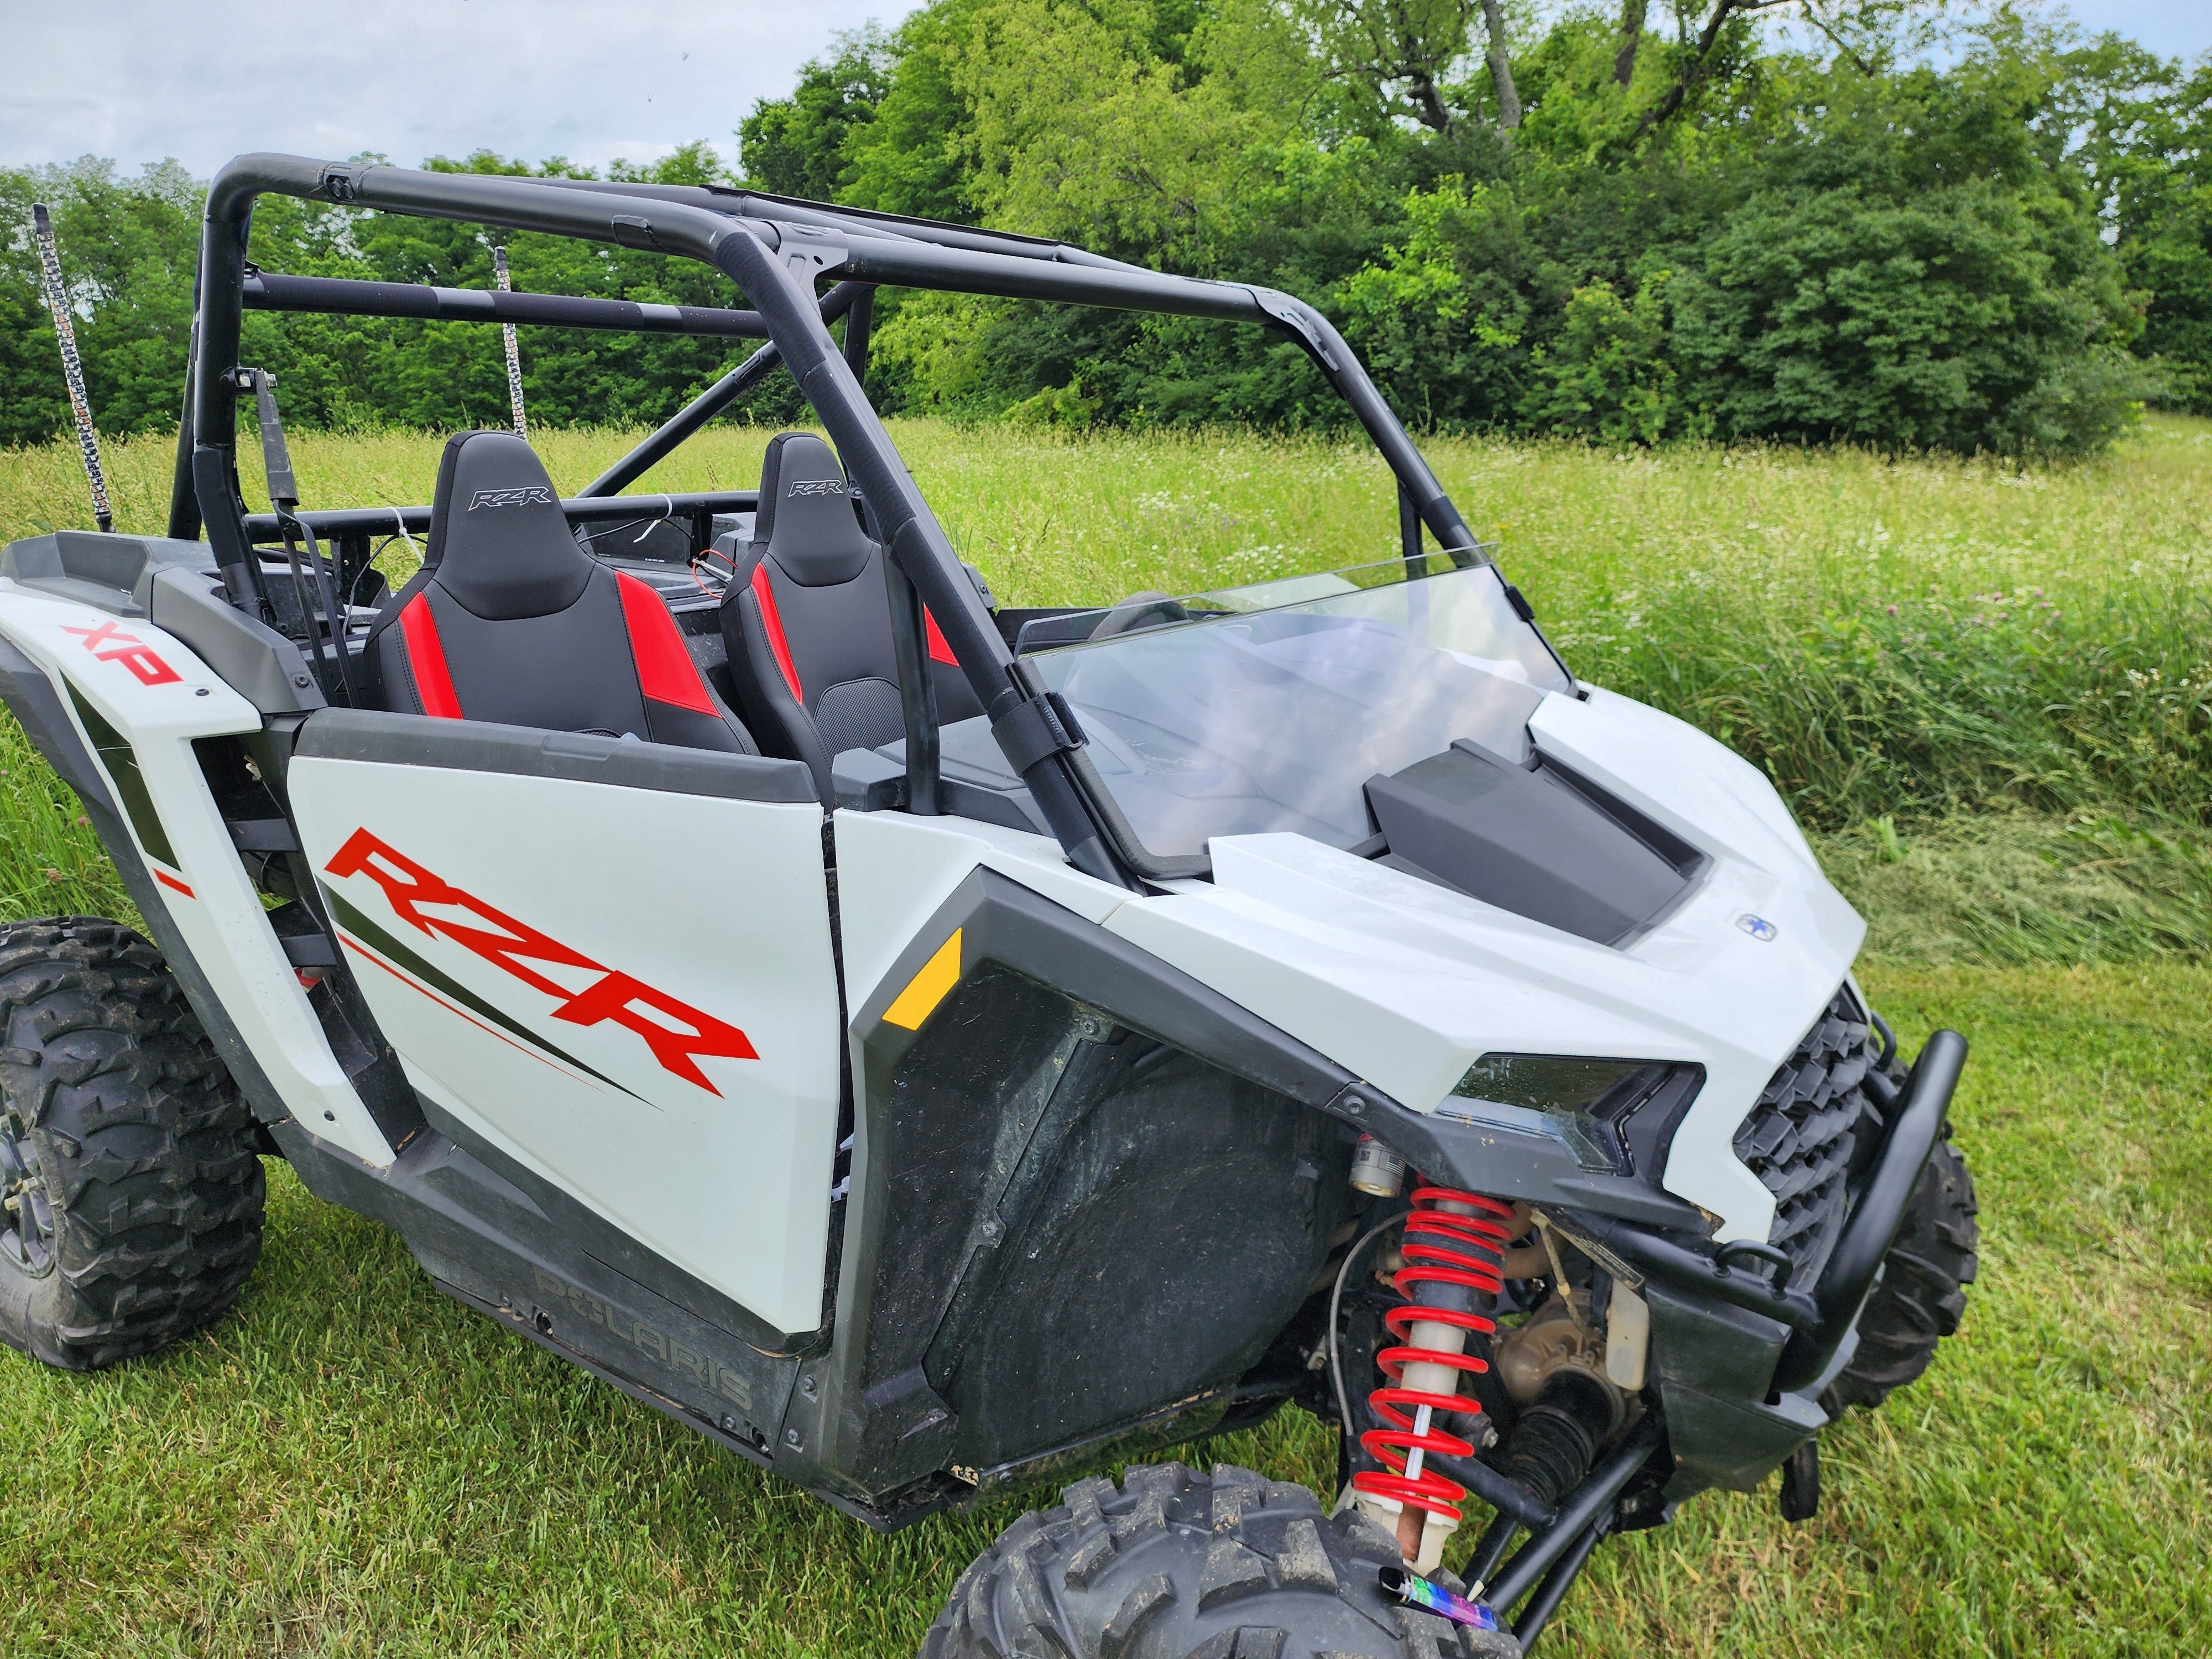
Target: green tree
point(1605, 374)
point(2146, 127)
point(803, 145)
point(1955, 320)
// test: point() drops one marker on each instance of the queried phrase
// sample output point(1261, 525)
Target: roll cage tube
point(774, 262)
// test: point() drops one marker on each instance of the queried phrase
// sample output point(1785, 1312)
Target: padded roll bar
point(269, 290)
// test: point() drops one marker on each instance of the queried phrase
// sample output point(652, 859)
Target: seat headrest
point(806, 518)
point(499, 541)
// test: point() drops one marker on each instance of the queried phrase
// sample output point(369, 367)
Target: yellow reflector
point(928, 988)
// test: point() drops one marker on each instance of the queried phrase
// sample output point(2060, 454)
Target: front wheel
point(1175, 1565)
point(1922, 1293)
point(133, 1188)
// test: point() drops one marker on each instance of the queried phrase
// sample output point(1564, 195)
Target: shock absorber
point(1453, 1249)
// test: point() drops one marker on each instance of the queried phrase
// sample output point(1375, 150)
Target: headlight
point(1616, 1115)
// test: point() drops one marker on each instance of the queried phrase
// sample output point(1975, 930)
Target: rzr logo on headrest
point(814, 487)
point(520, 495)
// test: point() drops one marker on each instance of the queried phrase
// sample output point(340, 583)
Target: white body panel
point(893, 872)
point(1408, 984)
point(727, 1177)
point(205, 887)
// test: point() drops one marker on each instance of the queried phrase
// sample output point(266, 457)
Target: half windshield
point(1269, 707)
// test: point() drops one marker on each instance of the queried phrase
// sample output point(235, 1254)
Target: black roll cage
point(775, 249)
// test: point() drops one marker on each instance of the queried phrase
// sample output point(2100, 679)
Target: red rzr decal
point(674, 1031)
point(133, 653)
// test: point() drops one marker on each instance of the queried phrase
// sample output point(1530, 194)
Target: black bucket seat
point(510, 620)
point(808, 622)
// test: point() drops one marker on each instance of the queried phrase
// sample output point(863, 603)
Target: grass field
point(2011, 782)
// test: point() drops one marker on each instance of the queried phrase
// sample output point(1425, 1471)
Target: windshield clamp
point(1037, 729)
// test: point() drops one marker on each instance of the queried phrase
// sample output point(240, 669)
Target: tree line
point(1889, 222)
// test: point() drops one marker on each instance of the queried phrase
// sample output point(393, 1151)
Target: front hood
point(1406, 983)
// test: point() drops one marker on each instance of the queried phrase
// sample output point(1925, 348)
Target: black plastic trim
point(616, 1250)
point(1008, 923)
point(1508, 1162)
point(121, 761)
point(254, 659)
point(359, 734)
point(474, 1228)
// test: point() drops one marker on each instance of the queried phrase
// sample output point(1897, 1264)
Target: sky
point(202, 80)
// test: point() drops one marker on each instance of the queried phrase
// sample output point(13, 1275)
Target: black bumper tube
point(1914, 1129)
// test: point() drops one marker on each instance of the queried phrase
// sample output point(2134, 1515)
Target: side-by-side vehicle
point(929, 1046)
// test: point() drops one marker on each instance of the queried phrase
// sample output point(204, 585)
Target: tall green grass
point(1904, 637)
point(2011, 666)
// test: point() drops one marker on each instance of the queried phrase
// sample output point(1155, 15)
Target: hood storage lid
point(1534, 838)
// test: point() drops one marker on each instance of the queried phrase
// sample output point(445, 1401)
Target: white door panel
point(629, 991)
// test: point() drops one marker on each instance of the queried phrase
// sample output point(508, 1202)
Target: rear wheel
point(1173, 1564)
point(133, 1190)
point(1922, 1293)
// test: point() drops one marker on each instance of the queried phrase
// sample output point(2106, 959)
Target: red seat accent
point(665, 673)
point(939, 650)
point(426, 658)
point(773, 621)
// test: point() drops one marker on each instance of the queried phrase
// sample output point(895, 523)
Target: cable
point(588, 537)
point(667, 511)
point(1336, 1298)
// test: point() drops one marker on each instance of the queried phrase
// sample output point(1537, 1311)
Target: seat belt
point(330, 625)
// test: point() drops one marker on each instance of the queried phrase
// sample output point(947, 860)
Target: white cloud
point(204, 80)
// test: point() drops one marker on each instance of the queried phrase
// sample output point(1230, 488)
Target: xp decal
point(132, 652)
point(674, 1031)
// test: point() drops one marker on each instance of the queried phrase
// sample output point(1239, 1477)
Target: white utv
point(930, 1047)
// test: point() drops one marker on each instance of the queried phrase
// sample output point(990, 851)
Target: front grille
point(1804, 1136)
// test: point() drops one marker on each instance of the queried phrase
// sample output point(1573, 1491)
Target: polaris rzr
point(930, 1047)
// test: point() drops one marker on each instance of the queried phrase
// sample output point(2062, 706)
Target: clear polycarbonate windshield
point(1269, 707)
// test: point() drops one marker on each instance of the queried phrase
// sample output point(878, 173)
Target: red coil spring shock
point(1446, 1250)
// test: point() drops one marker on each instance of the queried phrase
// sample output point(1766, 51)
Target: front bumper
point(1739, 1357)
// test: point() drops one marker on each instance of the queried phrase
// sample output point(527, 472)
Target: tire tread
point(147, 1150)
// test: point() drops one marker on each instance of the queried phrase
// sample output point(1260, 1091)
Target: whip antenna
point(513, 351)
point(73, 370)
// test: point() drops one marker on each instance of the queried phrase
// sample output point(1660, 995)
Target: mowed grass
point(351, 1464)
